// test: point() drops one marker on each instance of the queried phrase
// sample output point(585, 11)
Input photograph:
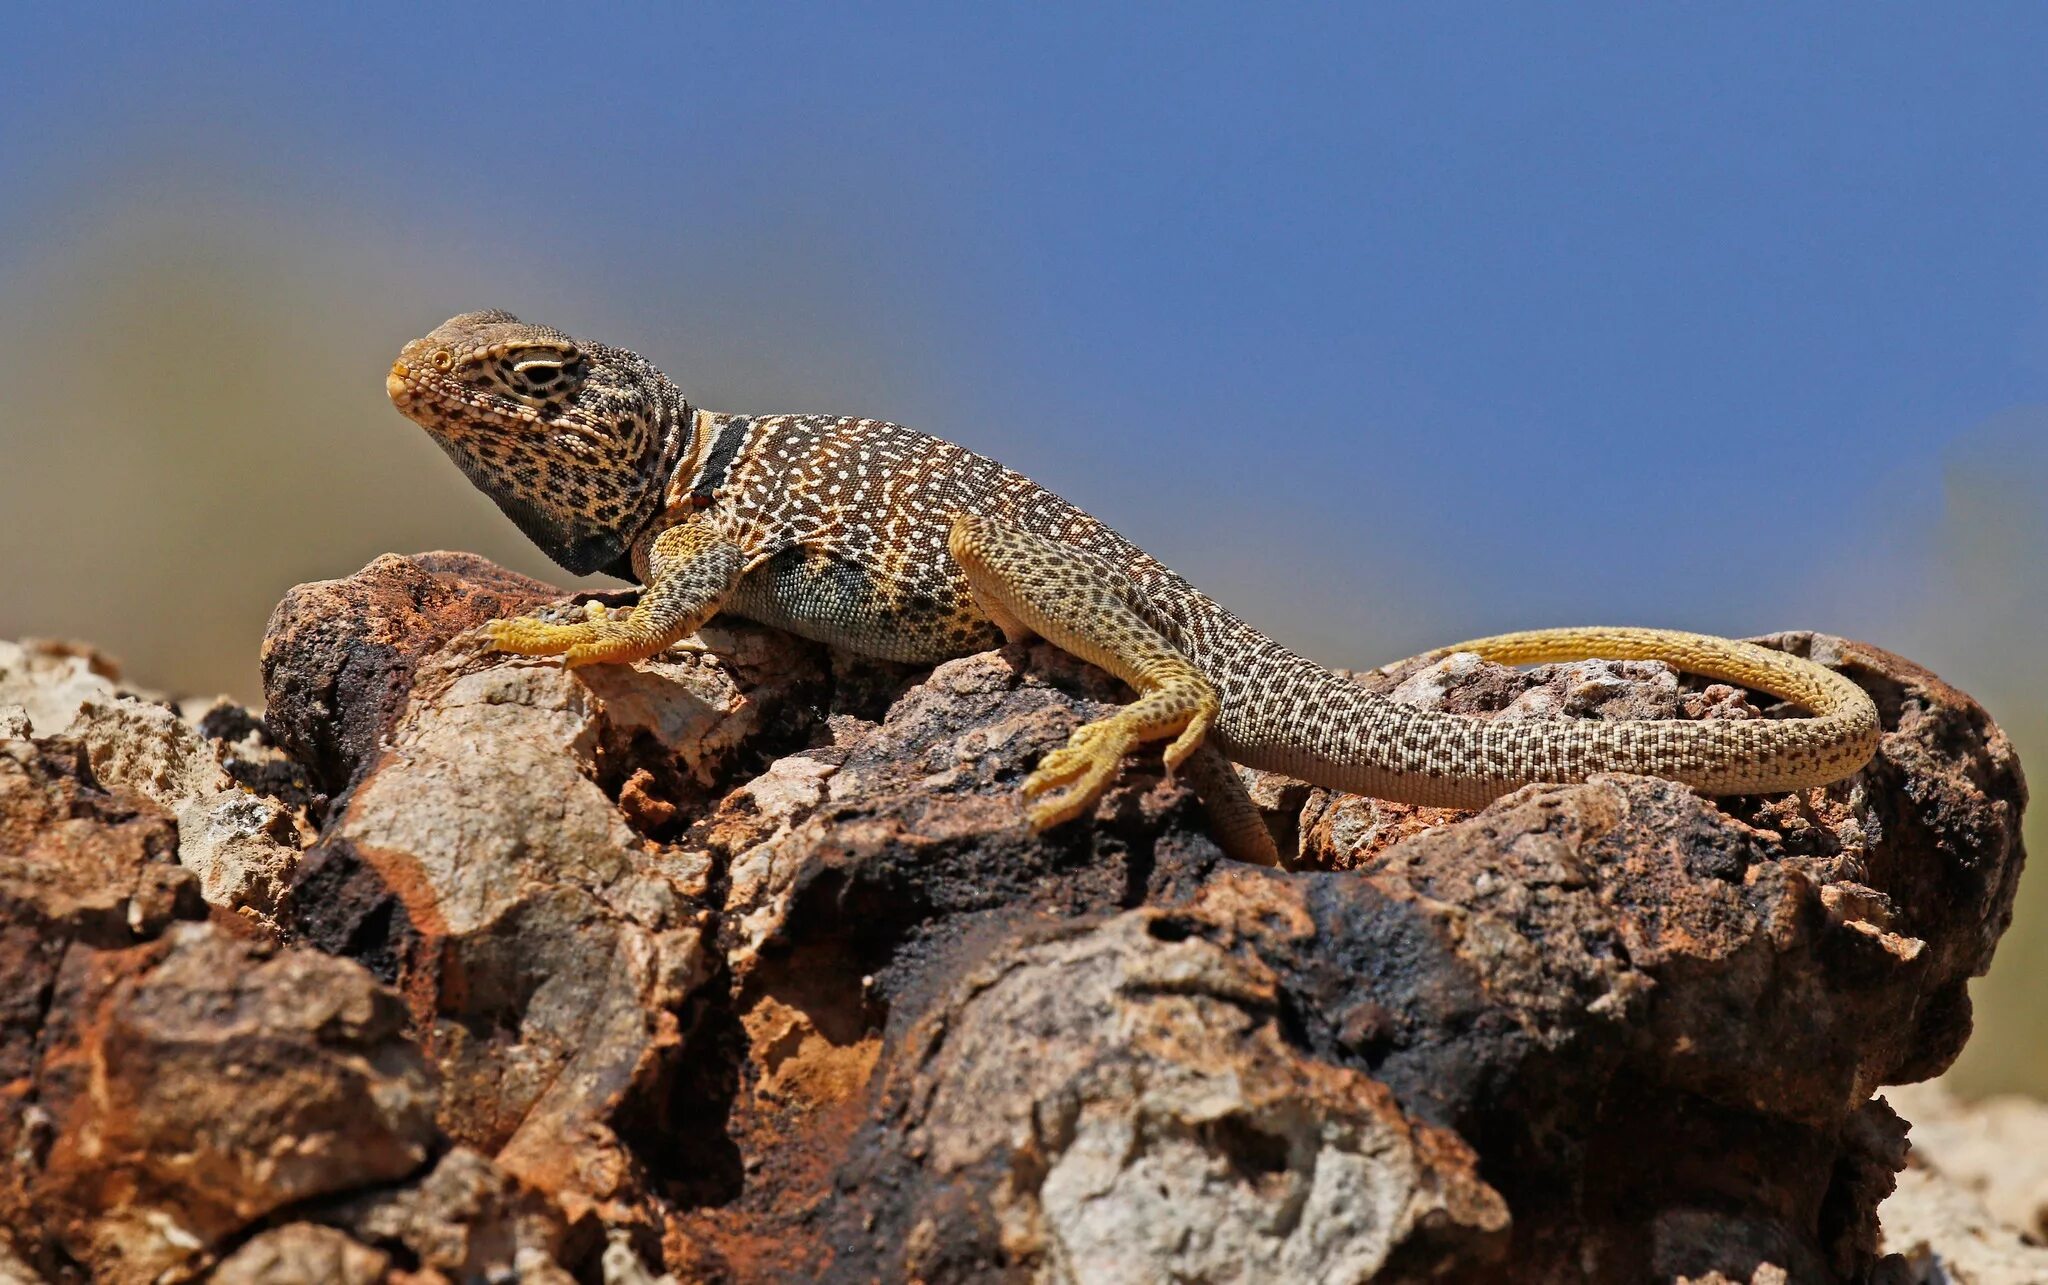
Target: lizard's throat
point(577, 544)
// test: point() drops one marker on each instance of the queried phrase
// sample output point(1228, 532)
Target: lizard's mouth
point(420, 393)
point(438, 403)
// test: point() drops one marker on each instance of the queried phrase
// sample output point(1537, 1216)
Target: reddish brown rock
point(466, 1218)
point(165, 1089)
point(338, 655)
point(485, 864)
point(201, 1081)
point(82, 863)
point(741, 964)
point(81, 869)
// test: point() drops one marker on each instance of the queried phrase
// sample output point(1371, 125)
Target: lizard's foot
point(1085, 765)
point(602, 637)
point(1082, 769)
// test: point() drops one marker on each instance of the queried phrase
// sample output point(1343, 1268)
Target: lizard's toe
point(1055, 770)
point(1080, 771)
point(1089, 748)
point(1190, 738)
point(526, 636)
point(1085, 766)
point(613, 649)
point(602, 637)
point(1075, 800)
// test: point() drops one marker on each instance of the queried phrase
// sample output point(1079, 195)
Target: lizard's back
point(856, 513)
point(846, 522)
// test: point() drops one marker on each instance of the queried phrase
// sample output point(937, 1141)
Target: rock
point(467, 1219)
point(485, 864)
point(623, 1265)
point(352, 645)
point(82, 870)
point(1163, 1127)
point(1941, 1234)
point(201, 1081)
point(741, 964)
point(14, 1269)
point(165, 1084)
point(45, 682)
point(303, 1254)
point(79, 862)
point(242, 844)
point(1997, 1148)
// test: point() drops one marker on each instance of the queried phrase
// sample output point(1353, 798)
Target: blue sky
point(1539, 315)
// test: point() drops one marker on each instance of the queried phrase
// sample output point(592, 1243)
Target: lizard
point(887, 542)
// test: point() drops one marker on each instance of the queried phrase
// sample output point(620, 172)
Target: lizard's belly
point(926, 616)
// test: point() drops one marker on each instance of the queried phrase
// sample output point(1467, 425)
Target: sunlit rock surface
point(740, 964)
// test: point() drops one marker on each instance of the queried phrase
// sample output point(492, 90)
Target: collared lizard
point(887, 542)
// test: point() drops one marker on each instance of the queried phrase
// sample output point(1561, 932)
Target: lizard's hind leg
point(1081, 606)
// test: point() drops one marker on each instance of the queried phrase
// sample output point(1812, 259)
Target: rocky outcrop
point(740, 964)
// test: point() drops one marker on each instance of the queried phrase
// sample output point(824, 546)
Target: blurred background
point(1387, 326)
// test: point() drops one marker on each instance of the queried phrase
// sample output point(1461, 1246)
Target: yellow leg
point(1079, 605)
point(693, 569)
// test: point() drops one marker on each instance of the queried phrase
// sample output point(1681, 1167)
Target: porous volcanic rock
point(741, 964)
point(303, 1254)
point(195, 1084)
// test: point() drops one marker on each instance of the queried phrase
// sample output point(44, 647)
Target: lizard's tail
point(1348, 738)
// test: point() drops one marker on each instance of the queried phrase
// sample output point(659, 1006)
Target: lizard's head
point(573, 440)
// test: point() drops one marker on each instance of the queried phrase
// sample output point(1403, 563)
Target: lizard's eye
point(553, 372)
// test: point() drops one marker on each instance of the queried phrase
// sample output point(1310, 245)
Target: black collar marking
point(731, 436)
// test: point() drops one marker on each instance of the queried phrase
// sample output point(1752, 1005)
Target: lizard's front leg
point(692, 570)
point(1056, 591)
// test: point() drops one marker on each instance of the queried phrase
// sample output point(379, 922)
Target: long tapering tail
point(1310, 723)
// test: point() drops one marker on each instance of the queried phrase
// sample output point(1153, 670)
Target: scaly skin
point(871, 537)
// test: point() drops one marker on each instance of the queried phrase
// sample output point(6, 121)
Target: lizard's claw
point(1190, 738)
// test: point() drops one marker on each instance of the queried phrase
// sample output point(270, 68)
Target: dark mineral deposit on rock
point(741, 965)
